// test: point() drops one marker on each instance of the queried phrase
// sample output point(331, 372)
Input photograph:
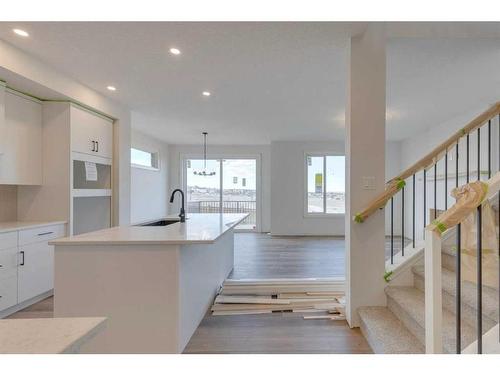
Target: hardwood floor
point(262, 256)
point(275, 333)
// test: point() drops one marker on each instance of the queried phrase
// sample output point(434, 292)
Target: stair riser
point(411, 324)
point(469, 313)
point(373, 342)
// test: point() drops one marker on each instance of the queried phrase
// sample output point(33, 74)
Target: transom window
point(325, 184)
point(144, 159)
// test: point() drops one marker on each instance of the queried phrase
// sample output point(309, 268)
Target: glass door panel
point(203, 192)
point(239, 189)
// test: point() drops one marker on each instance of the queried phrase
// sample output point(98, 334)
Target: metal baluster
point(413, 234)
point(392, 230)
point(425, 199)
point(403, 221)
point(446, 181)
point(489, 149)
point(467, 162)
point(435, 191)
point(458, 274)
point(478, 154)
point(479, 283)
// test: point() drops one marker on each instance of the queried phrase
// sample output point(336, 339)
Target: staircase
point(399, 328)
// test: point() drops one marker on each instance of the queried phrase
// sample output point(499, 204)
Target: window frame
point(155, 156)
point(324, 214)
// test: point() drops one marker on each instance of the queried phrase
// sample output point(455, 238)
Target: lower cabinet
point(26, 264)
point(35, 274)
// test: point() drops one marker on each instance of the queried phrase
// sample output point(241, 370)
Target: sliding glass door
point(230, 186)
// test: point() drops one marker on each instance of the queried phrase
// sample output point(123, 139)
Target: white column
point(433, 298)
point(365, 159)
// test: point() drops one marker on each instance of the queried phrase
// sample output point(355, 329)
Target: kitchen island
point(153, 283)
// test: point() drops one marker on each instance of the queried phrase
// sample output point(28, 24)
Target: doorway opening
point(230, 186)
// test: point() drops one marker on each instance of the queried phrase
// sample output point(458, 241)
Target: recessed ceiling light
point(111, 88)
point(21, 32)
point(175, 51)
point(206, 93)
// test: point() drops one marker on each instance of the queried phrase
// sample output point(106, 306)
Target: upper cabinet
point(91, 133)
point(21, 139)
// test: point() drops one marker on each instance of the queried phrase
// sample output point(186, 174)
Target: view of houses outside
point(239, 190)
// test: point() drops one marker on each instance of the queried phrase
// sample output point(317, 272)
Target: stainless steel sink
point(159, 223)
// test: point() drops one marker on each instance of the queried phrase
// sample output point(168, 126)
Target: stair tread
point(386, 334)
point(412, 301)
point(468, 292)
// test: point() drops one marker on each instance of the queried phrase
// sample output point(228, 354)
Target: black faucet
point(182, 214)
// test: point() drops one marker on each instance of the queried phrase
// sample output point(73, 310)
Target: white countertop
point(11, 226)
point(198, 228)
point(47, 336)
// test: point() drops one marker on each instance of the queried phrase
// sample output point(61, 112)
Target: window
point(144, 159)
point(325, 195)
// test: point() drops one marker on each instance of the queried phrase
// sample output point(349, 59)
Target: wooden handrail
point(394, 185)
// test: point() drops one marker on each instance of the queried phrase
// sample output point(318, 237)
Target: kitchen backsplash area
point(8, 203)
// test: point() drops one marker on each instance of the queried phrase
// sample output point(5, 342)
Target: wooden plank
point(251, 299)
point(296, 281)
point(241, 312)
point(329, 317)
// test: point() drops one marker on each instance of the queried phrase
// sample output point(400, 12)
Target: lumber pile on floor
point(316, 298)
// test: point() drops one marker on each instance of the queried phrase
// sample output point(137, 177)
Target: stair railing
point(470, 198)
point(397, 187)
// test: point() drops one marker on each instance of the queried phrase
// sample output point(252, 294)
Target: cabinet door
point(90, 133)
point(36, 270)
point(21, 158)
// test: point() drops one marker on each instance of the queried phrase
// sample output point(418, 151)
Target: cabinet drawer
point(8, 240)
point(41, 234)
point(8, 292)
point(8, 262)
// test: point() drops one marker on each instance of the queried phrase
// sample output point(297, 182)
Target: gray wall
point(288, 190)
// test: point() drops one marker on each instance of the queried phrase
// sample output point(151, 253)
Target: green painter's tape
point(358, 218)
point(400, 184)
point(440, 226)
point(387, 276)
point(463, 131)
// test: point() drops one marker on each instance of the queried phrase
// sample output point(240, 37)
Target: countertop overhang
point(198, 229)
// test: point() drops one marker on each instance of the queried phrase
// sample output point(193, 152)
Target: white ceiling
point(269, 81)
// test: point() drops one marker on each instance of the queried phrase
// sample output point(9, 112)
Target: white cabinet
point(90, 133)
point(2, 117)
point(21, 134)
point(36, 270)
point(26, 264)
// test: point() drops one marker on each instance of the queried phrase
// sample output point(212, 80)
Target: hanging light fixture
point(204, 172)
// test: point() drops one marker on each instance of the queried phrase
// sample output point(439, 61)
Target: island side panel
point(135, 286)
point(203, 270)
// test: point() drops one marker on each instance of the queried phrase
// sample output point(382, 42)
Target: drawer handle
point(93, 145)
point(44, 233)
point(22, 262)
point(97, 146)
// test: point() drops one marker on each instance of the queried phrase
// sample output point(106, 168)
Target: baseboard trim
point(13, 309)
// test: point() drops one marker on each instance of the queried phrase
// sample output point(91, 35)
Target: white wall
point(288, 190)
point(262, 151)
point(149, 188)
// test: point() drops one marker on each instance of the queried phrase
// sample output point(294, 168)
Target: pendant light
point(204, 171)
